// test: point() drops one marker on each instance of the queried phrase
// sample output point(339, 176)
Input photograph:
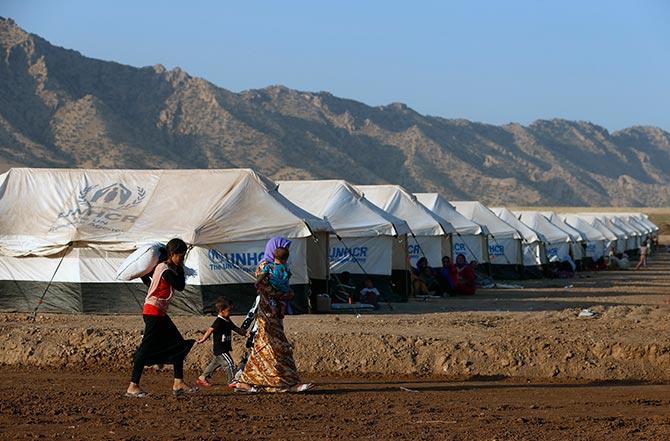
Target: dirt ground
point(63, 404)
point(505, 364)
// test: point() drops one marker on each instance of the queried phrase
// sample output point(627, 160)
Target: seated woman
point(601, 263)
point(423, 281)
point(465, 277)
point(446, 276)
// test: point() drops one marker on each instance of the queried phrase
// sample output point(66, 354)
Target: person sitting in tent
point(601, 263)
point(620, 262)
point(370, 294)
point(465, 276)
point(446, 276)
point(423, 280)
point(343, 290)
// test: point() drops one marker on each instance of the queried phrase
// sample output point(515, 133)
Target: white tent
point(578, 240)
point(622, 238)
point(504, 241)
point(75, 227)
point(637, 223)
point(628, 236)
point(470, 238)
point(430, 234)
point(633, 241)
point(619, 245)
point(534, 253)
point(557, 241)
point(367, 232)
point(612, 238)
point(641, 231)
point(596, 241)
point(644, 219)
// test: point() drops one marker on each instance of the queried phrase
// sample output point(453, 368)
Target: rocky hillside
point(59, 108)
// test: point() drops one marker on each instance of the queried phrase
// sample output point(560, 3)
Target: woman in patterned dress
point(270, 367)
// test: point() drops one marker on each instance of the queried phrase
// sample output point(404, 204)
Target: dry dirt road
point(89, 405)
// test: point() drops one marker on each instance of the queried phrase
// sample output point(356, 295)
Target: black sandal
point(182, 391)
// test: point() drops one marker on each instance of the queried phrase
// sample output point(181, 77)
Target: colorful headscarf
point(272, 245)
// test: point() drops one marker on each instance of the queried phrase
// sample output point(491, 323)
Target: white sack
point(141, 262)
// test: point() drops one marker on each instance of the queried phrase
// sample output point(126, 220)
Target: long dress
point(270, 365)
point(162, 343)
point(465, 282)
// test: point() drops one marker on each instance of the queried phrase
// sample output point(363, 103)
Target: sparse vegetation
point(61, 109)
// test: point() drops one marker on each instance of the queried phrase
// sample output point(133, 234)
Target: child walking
point(278, 275)
point(221, 330)
point(643, 255)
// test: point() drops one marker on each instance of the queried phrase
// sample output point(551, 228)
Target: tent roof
point(555, 219)
point(618, 220)
point(344, 207)
point(117, 209)
point(628, 226)
point(400, 203)
point(590, 232)
point(600, 225)
point(529, 235)
point(613, 235)
point(637, 223)
point(538, 222)
point(626, 216)
point(477, 212)
point(644, 219)
point(620, 234)
point(440, 206)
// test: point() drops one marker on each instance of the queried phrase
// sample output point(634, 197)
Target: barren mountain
point(59, 108)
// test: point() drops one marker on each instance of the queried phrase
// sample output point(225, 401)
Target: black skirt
point(162, 343)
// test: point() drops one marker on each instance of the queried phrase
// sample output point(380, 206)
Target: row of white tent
point(63, 232)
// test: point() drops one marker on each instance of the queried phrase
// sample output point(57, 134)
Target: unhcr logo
point(108, 207)
point(414, 250)
point(344, 254)
point(496, 250)
point(246, 261)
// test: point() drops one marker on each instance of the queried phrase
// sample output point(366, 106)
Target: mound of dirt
point(459, 344)
point(534, 332)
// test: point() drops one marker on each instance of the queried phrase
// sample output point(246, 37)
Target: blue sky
point(492, 61)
